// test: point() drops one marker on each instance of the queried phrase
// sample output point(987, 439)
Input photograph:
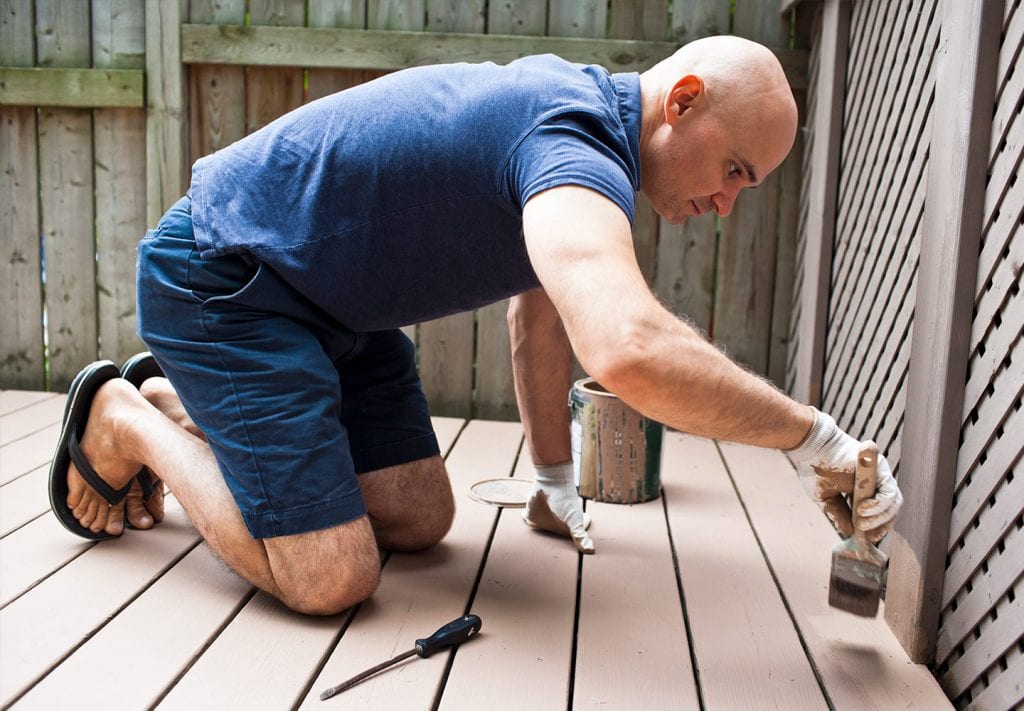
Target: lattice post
point(954, 209)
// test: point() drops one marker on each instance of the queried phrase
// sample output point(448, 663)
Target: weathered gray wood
point(516, 17)
point(52, 86)
point(396, 15)
point(167, 173)
point(827, 127)
point(745, 279)
point(495, 394)
point(325, 13)
point(319, 47)
point(649, 21)
point(693, 19)
point(945, 292)
point(685, 280)
point(21, 349)
point(217, 92)
point(456, 15)
point(273, 92)
point(66, 200)
point(577, 18)
point(119, 140)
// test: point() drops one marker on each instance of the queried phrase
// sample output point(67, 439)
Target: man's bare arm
point(581, 248)
point(542, 368)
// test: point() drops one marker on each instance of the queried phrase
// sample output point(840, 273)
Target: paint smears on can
point(616, 450)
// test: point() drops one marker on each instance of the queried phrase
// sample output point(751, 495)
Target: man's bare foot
point(142, 512)
point(115, 408)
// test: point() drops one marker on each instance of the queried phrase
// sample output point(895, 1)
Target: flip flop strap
point(110, 494)
point(145, 480)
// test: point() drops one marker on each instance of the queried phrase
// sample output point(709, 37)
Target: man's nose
point(724, 199)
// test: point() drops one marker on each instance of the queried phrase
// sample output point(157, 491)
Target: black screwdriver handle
point(455, 632)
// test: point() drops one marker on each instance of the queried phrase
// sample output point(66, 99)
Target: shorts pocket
point(221, 278)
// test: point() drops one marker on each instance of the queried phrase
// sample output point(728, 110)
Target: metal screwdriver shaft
point(451, 634)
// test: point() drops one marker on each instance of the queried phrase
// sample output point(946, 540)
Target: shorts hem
point(304, 519)
point(395, 453)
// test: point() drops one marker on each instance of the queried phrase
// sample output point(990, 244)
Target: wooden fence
point(909, 317)
point(89, 160)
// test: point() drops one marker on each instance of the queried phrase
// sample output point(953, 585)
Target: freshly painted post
point(954, 209)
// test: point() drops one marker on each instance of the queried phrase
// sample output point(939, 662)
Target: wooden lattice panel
point(890, 91)
point(980, 654)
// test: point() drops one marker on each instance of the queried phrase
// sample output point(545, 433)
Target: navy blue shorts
point(293, 404)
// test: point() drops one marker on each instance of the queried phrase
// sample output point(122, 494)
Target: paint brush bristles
point(858, 567)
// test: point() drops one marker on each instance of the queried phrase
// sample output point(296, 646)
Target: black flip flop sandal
point(136, 370)
point(76, 413)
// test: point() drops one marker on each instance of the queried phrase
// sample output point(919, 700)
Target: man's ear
point(684, 95)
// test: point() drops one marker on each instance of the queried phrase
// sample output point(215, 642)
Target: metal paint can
point(616, 451)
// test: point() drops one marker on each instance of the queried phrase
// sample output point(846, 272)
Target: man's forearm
point(542, 369)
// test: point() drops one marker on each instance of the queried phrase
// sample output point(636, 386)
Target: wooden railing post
point(827, 125)
point(167, 171)
point(953, 214)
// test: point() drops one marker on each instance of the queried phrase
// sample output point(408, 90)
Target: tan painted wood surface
point(25, 454)
point(31, 419)
point(40, 627)
point(632, 648)
point(157, 635)
point(421, 592)
point(860, 662)
point(23, 499)
point(13, 400)
point(527, 601)
point(101, 605)
point(735, 625)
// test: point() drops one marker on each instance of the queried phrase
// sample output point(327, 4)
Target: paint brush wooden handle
point(864, 483)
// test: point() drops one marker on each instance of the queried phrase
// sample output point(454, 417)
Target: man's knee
point(325, 572)
point(411, 505)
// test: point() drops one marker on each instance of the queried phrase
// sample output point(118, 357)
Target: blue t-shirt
point(400, 200)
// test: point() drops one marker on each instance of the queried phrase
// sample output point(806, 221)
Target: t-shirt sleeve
point(573, 149)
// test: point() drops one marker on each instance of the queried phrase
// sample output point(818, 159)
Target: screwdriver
point(455, 632)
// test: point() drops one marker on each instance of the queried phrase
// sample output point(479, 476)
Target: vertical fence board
point(119, 135)
point(167, 152)
point(66, 199)
point(456, 15)
point(21, 349)
point(217, 91)
point(272, 92)
point(693, 19)
point(517, 17)
point(326, 13)
point(952, 219)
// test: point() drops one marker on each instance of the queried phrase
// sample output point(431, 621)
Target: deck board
point(527, 601)
point(748, 654)
point(31, 418)
point(753, 616)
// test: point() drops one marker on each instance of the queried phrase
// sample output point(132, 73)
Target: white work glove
point(832, 456)
point(555, 505)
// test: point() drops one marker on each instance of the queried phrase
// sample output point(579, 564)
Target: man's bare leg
point(322, 572)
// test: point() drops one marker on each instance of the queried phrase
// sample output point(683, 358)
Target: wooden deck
point(713, 596)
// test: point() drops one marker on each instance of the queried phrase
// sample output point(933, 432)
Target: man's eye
point(734, 169)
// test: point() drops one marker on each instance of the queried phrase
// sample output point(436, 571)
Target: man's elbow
point(623, 362)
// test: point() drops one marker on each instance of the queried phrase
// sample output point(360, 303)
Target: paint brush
point(858, 567)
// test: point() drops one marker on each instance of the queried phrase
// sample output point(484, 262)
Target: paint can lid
point(511, 493)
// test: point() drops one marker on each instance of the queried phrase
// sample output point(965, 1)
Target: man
point(293, 429)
